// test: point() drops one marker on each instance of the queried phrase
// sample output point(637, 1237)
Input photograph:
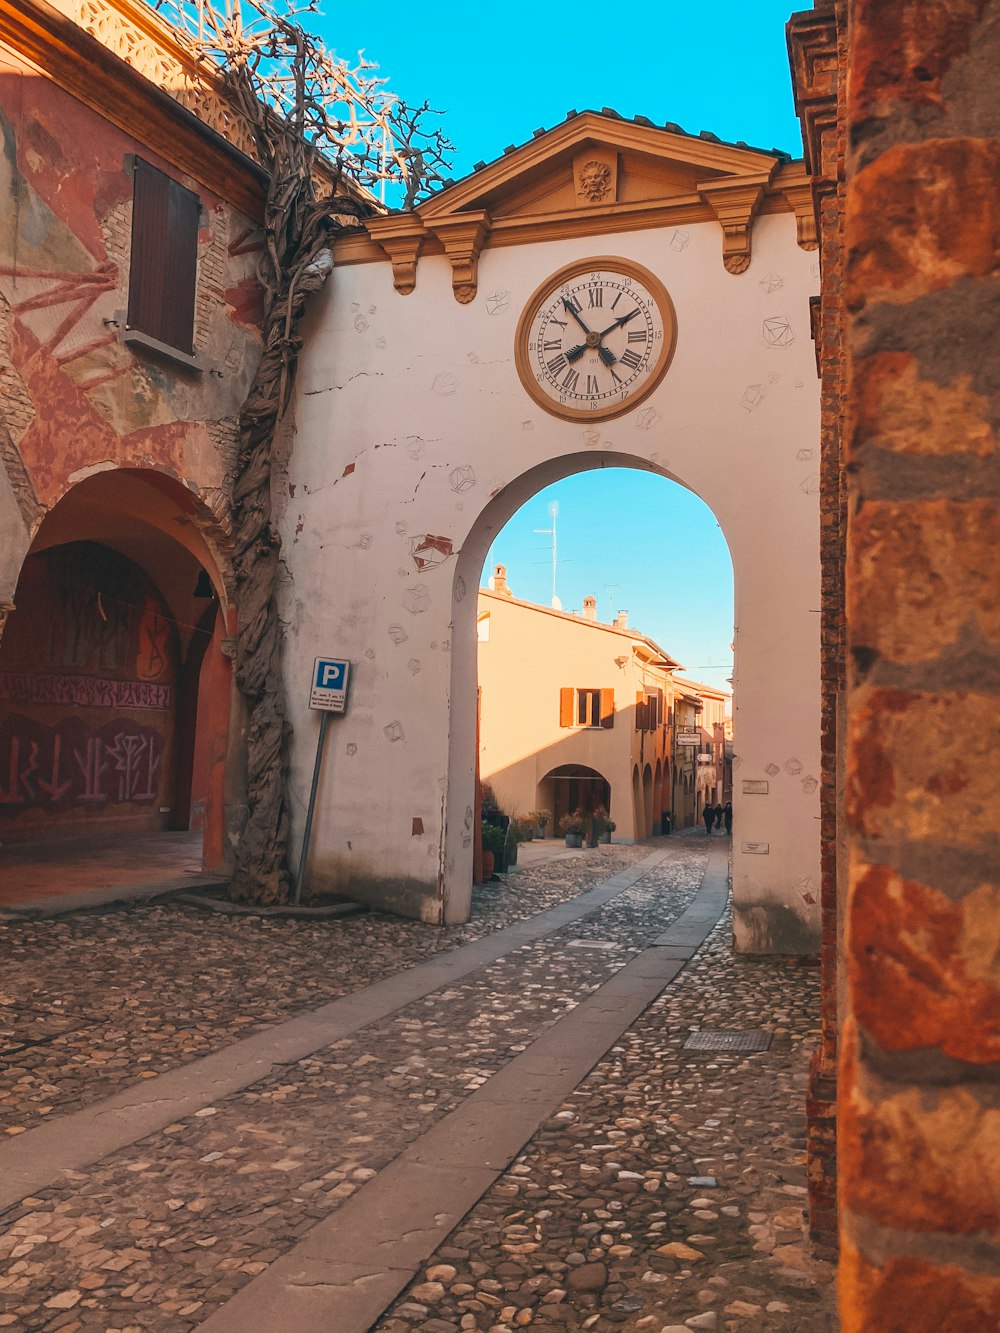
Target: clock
point(595, 339)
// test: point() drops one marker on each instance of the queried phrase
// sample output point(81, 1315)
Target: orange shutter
point(607, 708)
point(567, 707)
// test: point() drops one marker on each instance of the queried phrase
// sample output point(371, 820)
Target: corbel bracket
point(801, 197)
point(734, 200)
point(462, 237)
point(401, 236)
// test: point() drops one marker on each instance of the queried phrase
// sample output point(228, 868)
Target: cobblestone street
point(665, 1190)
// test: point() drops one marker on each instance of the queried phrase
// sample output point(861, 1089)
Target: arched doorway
point(572, 787)
point(115, 687)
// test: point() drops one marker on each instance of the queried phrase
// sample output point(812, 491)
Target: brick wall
point(920, 1037)
point(817, 51)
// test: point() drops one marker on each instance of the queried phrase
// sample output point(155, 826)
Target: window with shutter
point(607, 709)
point(164, 259)
point(567, 706)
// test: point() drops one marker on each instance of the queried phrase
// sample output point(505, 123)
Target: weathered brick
point(938, 588)
point(912, 1293)
point(917, 1158)
point(923, 767)
point(908, 237)
point(923, 968)
point(901, 52)
point(895, 409)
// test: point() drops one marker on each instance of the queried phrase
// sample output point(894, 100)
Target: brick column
point(817, 52)
point(920, 1058)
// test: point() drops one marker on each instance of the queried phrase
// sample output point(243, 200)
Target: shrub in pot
point(540, 819)
point(572, 826)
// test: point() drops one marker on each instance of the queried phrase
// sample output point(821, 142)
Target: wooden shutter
point(640, 711)
point(164, 261)
point(607, 709)
point(567, 706)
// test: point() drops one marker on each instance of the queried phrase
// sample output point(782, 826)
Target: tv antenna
point(551, 532)
point(611, 589)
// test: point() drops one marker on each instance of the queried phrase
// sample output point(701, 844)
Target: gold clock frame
point(638, 273)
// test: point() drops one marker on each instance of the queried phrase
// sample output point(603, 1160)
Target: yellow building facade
point(574, 713)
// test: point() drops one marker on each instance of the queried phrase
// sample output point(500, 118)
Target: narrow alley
point(532, 1120)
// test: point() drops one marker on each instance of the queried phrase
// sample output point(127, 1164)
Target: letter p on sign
point(329, 684)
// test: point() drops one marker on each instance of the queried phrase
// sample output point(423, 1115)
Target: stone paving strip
point(156, 1236)
point(347, 1269)
point(41, 1156)
point(666, 1194)
point(97, 1001)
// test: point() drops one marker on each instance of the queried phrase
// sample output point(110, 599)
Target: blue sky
point(502, 71)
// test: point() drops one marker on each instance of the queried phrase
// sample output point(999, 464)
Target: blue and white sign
point(329, 684)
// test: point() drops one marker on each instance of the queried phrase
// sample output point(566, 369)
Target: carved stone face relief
point(594, 182)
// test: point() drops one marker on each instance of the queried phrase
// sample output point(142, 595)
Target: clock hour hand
point(606, 356)
point(622, 319)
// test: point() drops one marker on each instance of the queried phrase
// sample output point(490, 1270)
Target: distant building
point(575, 713)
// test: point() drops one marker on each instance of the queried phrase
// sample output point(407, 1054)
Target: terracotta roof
point(609, 113)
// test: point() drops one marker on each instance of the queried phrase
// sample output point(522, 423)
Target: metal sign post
point(328, 694)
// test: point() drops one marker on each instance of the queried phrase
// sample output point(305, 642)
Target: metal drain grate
point(714, 1040)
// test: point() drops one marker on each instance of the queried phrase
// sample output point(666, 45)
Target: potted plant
point(540, 818)
point(595, 833)
point(572, 826)
point(493, 849)
point(609, 828)
point(523, 827)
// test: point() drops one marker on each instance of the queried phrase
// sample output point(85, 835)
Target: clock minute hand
point(622, 319)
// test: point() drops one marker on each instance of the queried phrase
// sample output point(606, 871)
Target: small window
point(588, 708)
point(164, 260)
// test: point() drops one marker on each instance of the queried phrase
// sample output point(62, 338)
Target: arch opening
point(116, 692)
point(576, 707)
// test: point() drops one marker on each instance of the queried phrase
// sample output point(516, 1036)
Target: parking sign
point(329, 684)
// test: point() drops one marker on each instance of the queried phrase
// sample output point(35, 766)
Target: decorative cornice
point(735, 201)
point(463, 237)
point(84, 67)
point(400, 236)
point(813, 56)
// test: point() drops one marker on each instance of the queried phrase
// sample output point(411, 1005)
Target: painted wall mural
point(87, 693)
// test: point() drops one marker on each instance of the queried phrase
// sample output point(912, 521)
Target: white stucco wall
point(420, 396)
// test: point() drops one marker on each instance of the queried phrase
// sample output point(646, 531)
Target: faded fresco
point(72, 396)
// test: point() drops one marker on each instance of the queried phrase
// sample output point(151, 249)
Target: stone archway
point(416, 441)
point(115, 690)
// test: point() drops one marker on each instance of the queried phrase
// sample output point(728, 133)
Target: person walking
point(708, 814)
point(718, 815)
point(727, 816)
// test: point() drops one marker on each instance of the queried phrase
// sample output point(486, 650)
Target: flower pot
point(487, 867)
point(606, 835)
point(574, 839)
point(540, 832)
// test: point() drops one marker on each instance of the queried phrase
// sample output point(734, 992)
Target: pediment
point(592, 175)
point(548, 175)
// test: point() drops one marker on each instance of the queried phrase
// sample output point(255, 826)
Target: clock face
point(595, 339)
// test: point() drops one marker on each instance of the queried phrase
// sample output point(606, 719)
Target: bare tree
point(327, 134)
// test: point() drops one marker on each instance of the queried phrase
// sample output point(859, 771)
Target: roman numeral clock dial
point(595, 339)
